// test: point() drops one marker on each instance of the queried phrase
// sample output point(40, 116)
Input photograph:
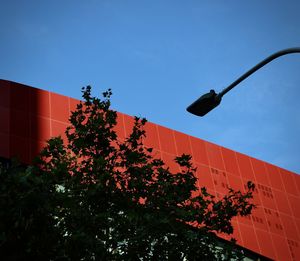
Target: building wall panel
point(30, 116)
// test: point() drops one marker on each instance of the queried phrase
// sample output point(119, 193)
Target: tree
point(96, 197)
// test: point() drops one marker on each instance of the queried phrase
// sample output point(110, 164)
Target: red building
point(29, 116)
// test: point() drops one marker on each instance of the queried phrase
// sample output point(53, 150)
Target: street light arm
point(257, 67)
point(210, 100)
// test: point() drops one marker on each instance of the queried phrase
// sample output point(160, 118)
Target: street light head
point(211, 100)
point(205, 103)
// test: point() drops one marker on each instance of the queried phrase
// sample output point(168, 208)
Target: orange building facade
point(29, 116)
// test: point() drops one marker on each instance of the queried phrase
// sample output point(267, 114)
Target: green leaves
point(97, 197)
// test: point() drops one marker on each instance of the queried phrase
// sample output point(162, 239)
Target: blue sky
point(158, 56)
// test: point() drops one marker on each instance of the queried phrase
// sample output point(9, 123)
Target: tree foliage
point(98, 197)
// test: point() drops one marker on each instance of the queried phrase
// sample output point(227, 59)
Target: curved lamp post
point(210, 100)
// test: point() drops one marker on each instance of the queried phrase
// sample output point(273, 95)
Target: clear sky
point(158, 56)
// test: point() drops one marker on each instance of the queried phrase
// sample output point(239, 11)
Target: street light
point(210, 100)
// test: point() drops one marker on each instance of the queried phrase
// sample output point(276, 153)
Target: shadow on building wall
point(29, 116)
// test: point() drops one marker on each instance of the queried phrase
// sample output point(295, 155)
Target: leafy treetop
point(97, 197)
